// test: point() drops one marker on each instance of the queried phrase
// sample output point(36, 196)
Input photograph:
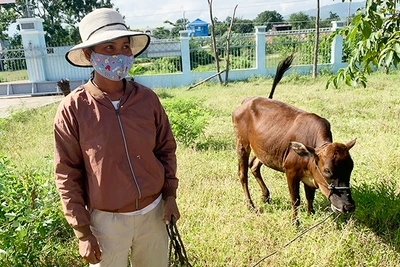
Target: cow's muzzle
point(342, 203)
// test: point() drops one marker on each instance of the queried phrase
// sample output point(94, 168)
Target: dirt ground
point(10, 103)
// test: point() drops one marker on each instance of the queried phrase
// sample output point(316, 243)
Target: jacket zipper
point(127, 152)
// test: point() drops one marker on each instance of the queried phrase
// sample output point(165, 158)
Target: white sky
point(152, 13)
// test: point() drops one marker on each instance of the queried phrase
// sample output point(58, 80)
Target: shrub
point(200, 57)
point(33, 231)
point(188, 119)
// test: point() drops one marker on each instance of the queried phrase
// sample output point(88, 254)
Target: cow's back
point(269, 125)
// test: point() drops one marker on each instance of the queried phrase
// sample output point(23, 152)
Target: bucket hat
point(103, 25)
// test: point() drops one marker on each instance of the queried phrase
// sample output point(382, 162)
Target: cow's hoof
point(266, 199)
point(296, 223)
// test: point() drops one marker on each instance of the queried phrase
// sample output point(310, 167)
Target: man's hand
point(89, 249)
point(170, 208)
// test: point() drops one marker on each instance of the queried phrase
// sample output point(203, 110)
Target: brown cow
point(293, 141)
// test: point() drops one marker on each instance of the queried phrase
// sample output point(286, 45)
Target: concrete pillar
point(185, 51)
point(260, 49)
point(337, 44)
point(31, 30)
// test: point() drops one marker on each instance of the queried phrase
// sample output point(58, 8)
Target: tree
point(374, 36)
point(326, 23)
point(8, 14)
point(267, 18)
point(161, 33)
point(300, 20)
point(214, 42)
point(179, 25)
point(220, 27)
point(241, 25)
point(60, 16)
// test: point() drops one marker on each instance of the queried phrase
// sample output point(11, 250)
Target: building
point(197, 28)
point(281, 27)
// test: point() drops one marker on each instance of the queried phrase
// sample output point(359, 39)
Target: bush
point(188, 119)
point(33, 230)
point(200, 57)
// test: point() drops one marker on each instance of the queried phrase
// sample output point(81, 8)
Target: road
point(8, 103)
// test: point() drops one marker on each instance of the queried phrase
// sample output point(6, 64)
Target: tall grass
point(216, 227)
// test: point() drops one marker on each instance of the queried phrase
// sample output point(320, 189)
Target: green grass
point(13, 76)
point(216, 227)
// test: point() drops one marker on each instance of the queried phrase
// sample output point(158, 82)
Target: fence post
point(260, 50)
point(31, 30)
point(337, 46)
point(185, 51)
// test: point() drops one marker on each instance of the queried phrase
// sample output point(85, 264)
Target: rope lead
point(294, 239)
point(176, 245)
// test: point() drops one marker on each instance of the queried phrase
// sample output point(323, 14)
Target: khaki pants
point(145, 236)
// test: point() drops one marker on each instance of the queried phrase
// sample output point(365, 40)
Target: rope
point(295, 238)
point(176, 245)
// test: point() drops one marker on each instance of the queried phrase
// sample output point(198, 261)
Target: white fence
point(173, 63)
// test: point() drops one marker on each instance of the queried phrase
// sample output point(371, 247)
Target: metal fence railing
point(161, 57)
point(242, 54)
point(278, 46)
point(12, 65)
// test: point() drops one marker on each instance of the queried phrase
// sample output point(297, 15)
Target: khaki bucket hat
point(103, 25)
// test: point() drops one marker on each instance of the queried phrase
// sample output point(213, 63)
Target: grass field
point(13, 76)
point(216, 227)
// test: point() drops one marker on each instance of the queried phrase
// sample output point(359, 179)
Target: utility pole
point(348, 14)
point(184, 21)
point(28, 13)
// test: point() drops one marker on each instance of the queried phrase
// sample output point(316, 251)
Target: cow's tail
point(283, 66)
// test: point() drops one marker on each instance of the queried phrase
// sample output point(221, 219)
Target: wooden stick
point(203, 81)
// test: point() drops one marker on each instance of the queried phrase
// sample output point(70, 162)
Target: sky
point(152, 14)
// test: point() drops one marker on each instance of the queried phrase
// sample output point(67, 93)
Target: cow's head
point(332, 166)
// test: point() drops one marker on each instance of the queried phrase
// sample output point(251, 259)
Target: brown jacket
point(108, 160)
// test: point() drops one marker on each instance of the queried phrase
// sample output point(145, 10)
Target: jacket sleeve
point(69, 171)
point(165, 152)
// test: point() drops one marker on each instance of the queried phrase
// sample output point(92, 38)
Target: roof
point(198, 22)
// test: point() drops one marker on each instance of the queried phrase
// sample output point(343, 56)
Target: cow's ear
point(351, 144)
point(302, 150)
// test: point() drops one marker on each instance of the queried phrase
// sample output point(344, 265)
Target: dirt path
point(8, 104)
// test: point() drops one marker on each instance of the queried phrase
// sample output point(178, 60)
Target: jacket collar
point(98, 94)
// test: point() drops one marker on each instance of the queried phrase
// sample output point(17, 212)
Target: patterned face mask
point(114, 68)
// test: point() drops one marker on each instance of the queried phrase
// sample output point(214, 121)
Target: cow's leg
point(310, 193)
point(243, 154)
point(294, 190)
point(255, 167)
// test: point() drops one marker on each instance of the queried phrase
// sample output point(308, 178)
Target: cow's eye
point(327, 172)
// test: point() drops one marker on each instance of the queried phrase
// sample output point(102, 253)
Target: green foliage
point(200, 57)
point(301, 20)
point(136, 70)
point(32, 228)
point(179, 25)
point(374, 40)
point(60, 17)
point(11, 76)
point(268, 18)
point(241, 25)
point(161, 33)
point(167, 64)
point(188, 119)
point(215, 226)
point(286, 44)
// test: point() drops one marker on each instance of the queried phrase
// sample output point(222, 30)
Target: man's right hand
point(89, 249)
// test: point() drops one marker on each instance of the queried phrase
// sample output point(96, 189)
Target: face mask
point(114, 68)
